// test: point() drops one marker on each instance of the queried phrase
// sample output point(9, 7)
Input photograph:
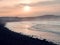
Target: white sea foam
point(40, 29)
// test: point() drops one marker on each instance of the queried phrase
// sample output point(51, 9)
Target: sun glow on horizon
point(27, 8)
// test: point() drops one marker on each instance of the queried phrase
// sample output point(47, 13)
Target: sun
point(27, 8)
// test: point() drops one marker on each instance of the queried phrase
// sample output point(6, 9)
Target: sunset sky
point(25, 8)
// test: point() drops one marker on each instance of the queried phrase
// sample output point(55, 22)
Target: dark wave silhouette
point(8, 37)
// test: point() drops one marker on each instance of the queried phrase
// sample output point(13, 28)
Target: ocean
point(49, 30)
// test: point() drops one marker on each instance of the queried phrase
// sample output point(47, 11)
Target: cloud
point(14, 8)
point(11, 3)
point(41, 3)
point(45, 3)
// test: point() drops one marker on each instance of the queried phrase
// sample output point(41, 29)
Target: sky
point(27, 8)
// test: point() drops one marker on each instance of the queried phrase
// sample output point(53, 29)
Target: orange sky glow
point(29, 8)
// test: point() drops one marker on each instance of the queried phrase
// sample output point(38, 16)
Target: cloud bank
point(39, 7)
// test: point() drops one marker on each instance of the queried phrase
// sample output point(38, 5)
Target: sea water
point(49, 30)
